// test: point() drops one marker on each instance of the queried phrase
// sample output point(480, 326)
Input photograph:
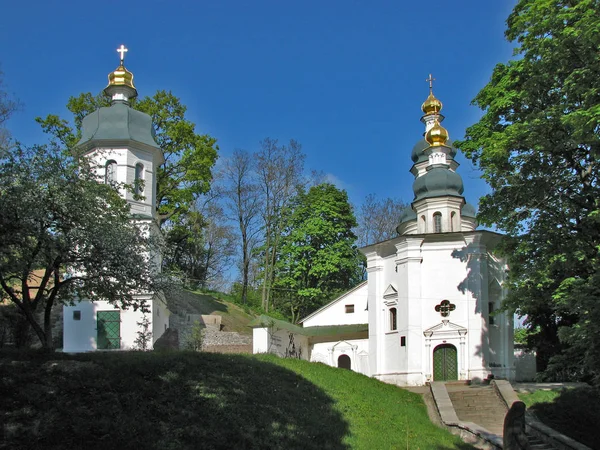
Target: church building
point(429, 310)
point(120, 140)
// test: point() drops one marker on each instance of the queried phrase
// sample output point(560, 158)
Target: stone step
point(480, 405)
point(536, 443)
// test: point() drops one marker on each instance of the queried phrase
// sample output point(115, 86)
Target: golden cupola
point(437, 135)
point(120, 81)
point(431, 105)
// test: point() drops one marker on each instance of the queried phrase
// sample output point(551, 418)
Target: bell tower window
point(110, 172)
point(393, 319)
point(437, 222)
point(138, 183)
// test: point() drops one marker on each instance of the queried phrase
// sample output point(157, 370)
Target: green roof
point(266, 321)
point(116, 123)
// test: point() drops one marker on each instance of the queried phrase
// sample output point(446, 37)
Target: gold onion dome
point(120, 81)
point(121, 77)
point(437, 135)
point(431, 105)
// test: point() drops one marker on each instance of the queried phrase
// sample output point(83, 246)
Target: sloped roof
point(266, 321)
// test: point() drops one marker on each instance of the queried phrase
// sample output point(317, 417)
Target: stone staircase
point(214, 340)
point(478, 404)
point(537, 444)
point(484, 408)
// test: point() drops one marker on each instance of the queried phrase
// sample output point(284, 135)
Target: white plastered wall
point(335, 312)
point(329, 353)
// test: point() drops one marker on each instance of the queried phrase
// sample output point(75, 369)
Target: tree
point(201, 245)
point(64, 236)
point(378, 219)
point(279, 169)
point(8, 105)
point(242, 204)
point(189, 157)
point(318, 258)
point(538, 145)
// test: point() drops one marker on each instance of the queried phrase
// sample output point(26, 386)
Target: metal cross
point(431, 80)
point(122, 50)
point(445, 307)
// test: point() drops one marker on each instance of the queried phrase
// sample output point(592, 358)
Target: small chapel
point(120, 141)
point(430, 307)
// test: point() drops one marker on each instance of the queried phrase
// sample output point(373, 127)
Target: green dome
point(118, 122)
point(437, 182)
point(419, 155)
point(468, 210)
point(407, 215)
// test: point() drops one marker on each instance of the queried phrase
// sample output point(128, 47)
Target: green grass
point(573, 412)
point(234, 317)
point(210, 401)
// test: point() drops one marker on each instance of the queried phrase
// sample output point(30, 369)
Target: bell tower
point(120, 140)
point(438, 205)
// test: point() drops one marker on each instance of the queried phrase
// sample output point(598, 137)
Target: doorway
point(344, 362)
point(109, 330)
point(445, 363)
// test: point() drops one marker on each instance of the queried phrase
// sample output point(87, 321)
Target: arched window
point(138, 183)
point(452, 220)
point(110, 172)
point(437, 222)
point(393, 319)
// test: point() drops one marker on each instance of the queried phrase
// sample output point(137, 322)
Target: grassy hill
point(186, 400)
point(234, 318)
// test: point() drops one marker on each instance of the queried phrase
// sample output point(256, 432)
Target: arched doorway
point(344, 362)
point(445, 363)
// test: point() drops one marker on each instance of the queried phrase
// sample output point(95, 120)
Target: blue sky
point(344, 78)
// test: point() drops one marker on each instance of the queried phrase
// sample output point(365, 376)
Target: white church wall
point(81, 335)
point(329, 352)
point(375, 284)
point(351, 308)
point(160, 319)
point(280, 342)
point(260, 340)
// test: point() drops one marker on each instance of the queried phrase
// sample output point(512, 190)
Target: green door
point(109, 329)
point(445, 363)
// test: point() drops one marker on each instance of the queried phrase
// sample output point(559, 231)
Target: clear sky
point(345, 78)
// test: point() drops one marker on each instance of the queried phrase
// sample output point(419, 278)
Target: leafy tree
point(538, 145)
point(64, 236)
point(318, 258)
point(189, 157)
point(201, 245)
point(279, 171)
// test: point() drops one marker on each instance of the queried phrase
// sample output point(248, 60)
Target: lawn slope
point(186, 400)
point(234, 318)
point(574, 412)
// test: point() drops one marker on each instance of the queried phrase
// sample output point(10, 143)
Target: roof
point(324, 307)
point(266, 321)
point(118, 122)
point(487, 237)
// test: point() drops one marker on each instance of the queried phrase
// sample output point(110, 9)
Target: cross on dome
point(122, 50)
point(430, 80)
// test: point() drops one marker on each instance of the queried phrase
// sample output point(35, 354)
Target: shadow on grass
point(575, 413)
point(162, 401)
